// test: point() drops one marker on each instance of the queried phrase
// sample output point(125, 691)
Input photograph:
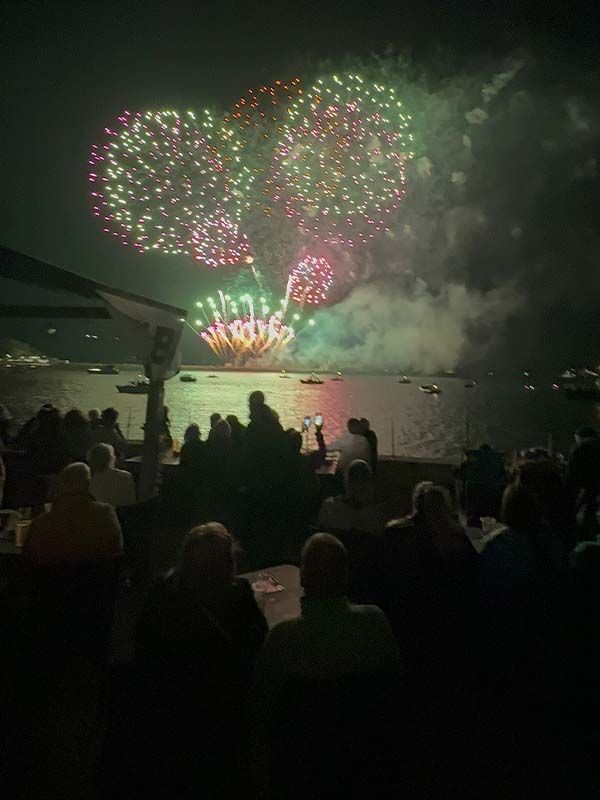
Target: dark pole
point(151, 447)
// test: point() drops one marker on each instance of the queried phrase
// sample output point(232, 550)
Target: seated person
point(110, 485)
point(331, 638)
point(200, 620)
point(192, 449)
point(355, 510)
point(110, 432)
point(77, 529)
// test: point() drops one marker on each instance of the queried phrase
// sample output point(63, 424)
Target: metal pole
point(150, 449)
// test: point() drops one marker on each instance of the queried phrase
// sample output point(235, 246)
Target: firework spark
point(238, 331)
point(310, 281)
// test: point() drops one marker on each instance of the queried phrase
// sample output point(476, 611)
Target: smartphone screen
point(306, 423)
point(318, 420)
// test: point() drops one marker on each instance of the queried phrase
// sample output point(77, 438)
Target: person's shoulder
point(123, 476)
point(366, 611)
point(402, 525)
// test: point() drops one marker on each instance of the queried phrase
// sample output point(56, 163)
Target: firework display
point(340, 164)
point(310, 280)
point(217, 241)
point(256, 119)
point(235, 333)
point(159, 183)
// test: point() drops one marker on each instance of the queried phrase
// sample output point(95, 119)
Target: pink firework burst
point(310, 280)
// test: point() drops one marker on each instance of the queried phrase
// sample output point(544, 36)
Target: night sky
point(68, 68)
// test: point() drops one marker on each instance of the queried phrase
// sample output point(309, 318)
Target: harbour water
point(408, 422)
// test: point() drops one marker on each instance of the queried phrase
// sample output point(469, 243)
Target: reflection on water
point(407, 421)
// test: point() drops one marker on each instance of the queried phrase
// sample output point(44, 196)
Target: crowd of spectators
point(430, 658)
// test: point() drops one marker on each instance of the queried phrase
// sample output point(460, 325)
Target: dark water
point(407, 421)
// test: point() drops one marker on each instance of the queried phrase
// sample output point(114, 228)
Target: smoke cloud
point(496, 243)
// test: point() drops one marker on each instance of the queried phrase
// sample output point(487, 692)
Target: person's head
point(206, 556)
point(110, 417)
point(256, 400)
point(74, 420)
point(324, 567)
point(49, 419)
point(214, 418)
point(365, 425)
point(354, 425)
point(295, 439)
point(94, 416)
point(74, 479)
point(192, 433)
point(234, 423)
point(587, 432)
point(101, 457)
point(431, 501)
point(220, 431)
point(520, 507)
point(359, 480)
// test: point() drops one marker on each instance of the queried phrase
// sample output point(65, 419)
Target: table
point(279, 606)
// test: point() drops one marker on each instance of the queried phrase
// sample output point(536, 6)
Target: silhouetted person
point(352, 445)
point(238, 431)
point(110, 432)
point(371, 438)
point(94, 417)
point(46, 441)
point(192, 449)
point(583, 478)
point(331, 638)
point(428, 580)
point(79, 435)
point(214, 418)
point(77, 529)
point(110, 485)
point(196, 641)
point(355, 509)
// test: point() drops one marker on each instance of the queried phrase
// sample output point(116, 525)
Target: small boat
point(283, 374)
point(104, 369)
point(470, 384)
point(134, 387)
point(312, 380)
point(404, 379)
point(213, 376)
point(430, 388)
point(187, 378)
point(338, 376)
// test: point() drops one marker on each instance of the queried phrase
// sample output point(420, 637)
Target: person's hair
point(192, 433)
point(74, 479)
point(94, 414)
point(234, 423)
point(206, 555)
point(101, 457)
point(221, 430)
point(256, 399)
point(364, 423)
point(354, 425)
point(74, 420)
point(587, 432)
point(520, 507)
point(49, 419)
point(214, 418)
point(324, 567)
point(418, 495)
point(110, 416)
point(295, 439)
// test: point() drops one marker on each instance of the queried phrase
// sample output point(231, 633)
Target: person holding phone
point(352, 446)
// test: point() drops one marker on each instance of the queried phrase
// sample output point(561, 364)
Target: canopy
point(155, 328)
